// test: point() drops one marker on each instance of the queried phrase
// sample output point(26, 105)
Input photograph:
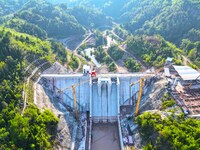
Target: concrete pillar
point(79, 92)
point(118, 116)
point(99, 88)
point(109, 90)
point(118, 103)
point(130, 91)
point(109, 85)
point(91, 98)
point(175, 83)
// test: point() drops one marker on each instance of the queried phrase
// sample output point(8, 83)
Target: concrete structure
point(168, 60)
point(86, 69)
point(185, 83)
point(187, 73)
point(167, 72)
point(102, 96)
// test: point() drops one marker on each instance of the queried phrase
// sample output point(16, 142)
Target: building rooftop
point(187, 73)
point(169, 59)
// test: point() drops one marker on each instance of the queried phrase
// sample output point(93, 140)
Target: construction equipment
point(73, 87)
point(129, 148)
point(87, 71)
point(93, 73)
point(190, 86)
point(142, 82)
point(74, 97)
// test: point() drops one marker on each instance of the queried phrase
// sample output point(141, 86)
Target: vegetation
point(167, 101)
point(170, 19)
point(174, 132)
point(43, 19)
point(107, 60)
point(102, 57)
point(112, 67)
point(100, 54)
point(90, 17)
point(153, 50)
point(115, 52)
point(33, 130)
point(60, 51)
point(37, 17)
point(100, 39)
point(132, 65)
point(122, 33)
point(191, 46)
point(8, 7)
point(26, 27)
point(150, 21)
point(74, 62)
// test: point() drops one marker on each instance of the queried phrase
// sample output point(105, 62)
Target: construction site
point(95, 109)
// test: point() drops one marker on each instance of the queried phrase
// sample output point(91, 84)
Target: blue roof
point(169, 59)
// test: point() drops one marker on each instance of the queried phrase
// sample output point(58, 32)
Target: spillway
point(102, 98)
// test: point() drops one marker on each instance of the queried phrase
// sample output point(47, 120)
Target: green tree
point(132, 65)
point(112, 67)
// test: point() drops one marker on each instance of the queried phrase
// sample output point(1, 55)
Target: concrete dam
point(101, 96)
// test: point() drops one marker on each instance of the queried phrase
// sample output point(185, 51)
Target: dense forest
point(51, 20)
point(172, 19)
point(173, 132)
point(43, 19)
point(153, 50)
point(35, 129)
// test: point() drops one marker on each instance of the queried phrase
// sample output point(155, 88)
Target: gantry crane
point(142, 82)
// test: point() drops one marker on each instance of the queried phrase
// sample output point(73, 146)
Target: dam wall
point(102, 96)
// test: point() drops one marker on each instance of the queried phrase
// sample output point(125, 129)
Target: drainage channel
point(105, 136)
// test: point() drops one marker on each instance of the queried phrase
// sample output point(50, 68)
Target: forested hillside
point(175, 20)
point(10, 6)
point(153, 50)
point(172, 19)
point(44, 18)
point(90, 17)
point(173, 132)
point(191, 45)
point(35, 130)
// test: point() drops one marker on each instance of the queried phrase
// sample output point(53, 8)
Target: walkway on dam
point(100, 75)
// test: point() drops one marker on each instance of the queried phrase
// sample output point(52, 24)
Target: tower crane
point(86, 71)
point(73, 88)
point(142, 83)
